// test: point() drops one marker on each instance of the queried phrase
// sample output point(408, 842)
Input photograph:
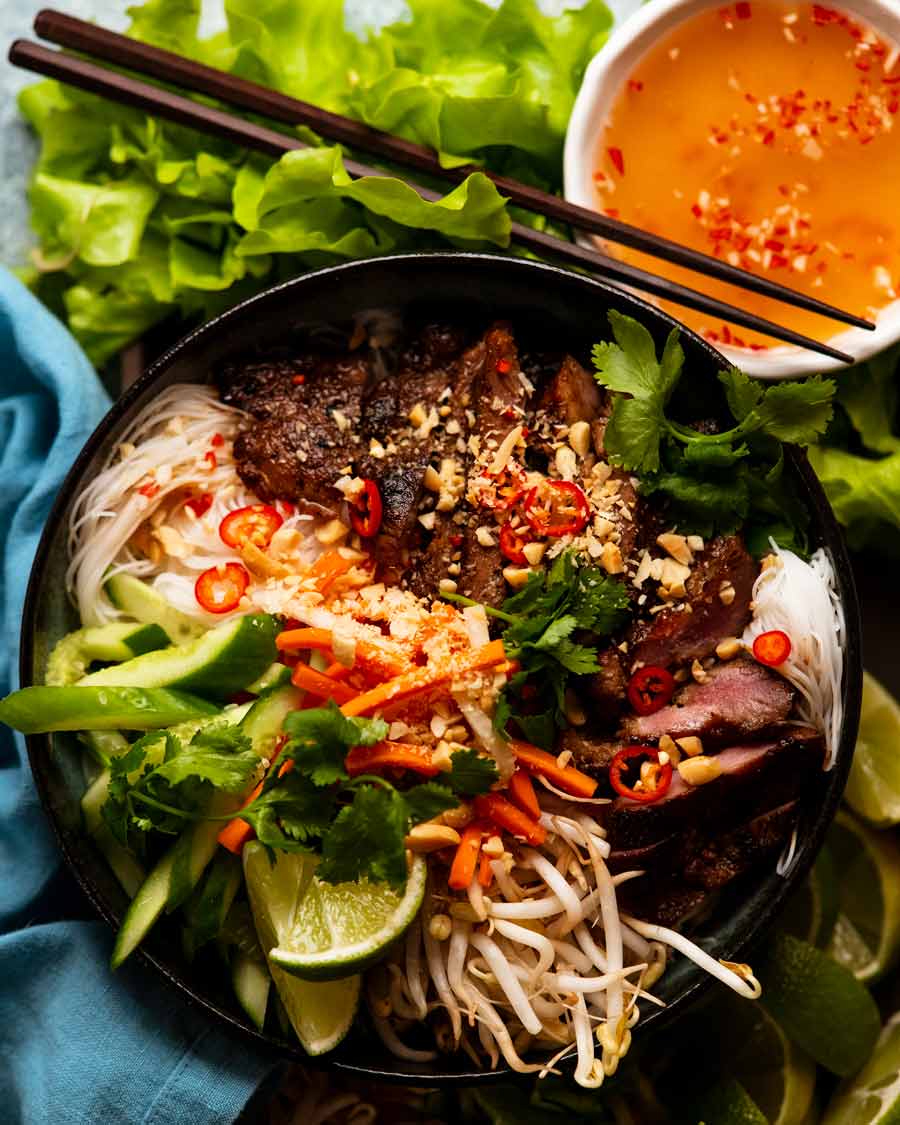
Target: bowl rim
point(602, 81)
point(38, 746)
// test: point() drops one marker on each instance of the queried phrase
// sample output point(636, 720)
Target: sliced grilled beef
point(499, 401)
point(305, 419)
point(426, 376)
point(591, 752)
point(738, 699)
point(682, 870)
point(605, 690)
point(755, 776)
point(674, 636)
point(571, 395)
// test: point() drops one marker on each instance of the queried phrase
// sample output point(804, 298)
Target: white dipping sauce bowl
point(603, 80)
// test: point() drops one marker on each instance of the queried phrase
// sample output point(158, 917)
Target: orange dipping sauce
point(768, 135)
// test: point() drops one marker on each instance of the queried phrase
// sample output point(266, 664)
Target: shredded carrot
point(327, 568)
point(522, 794)
point(499, 811)
point(317, 683)
point(390, 755)
point(422, 680)
point(485, 872)
point(237, 832)
point(336, 671)
point(567, 778)
point(462, 870)
point(379, 660)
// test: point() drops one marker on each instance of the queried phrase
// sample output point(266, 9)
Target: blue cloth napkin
point(79, 1045)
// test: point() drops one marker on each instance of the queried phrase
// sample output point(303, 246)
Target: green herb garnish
point(713, 482)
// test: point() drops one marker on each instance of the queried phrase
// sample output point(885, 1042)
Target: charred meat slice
point(683, 870)
point(724, 568)
point(604, 691)
point(738, 699)
point(305, 417)
point(590, 752)
point(400, 414)
point(571, 395)
point(755, 776)
point(499, 400)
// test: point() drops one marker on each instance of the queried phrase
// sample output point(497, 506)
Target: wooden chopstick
point(163, 103)
point(79, 35)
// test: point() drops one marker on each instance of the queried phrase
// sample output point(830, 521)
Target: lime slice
point(777, 1075)
point(726, 1103)
point(342, 928)
point(873, 1096)
point(866, 936)
point(320, 1013)
point(818, 1004)
point(873, 789)
point(812, 911)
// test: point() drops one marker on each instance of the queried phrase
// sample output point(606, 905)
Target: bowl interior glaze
point(561, 306)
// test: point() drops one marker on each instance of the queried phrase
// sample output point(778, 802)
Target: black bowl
point(552, 302)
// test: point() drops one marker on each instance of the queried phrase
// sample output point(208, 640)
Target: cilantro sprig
point(552, 625)
point(712, 481)
point(358, 825)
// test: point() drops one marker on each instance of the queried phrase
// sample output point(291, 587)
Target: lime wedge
point(873, 788)
point(818, 1004)
point(344, 927)
point(320, 1013)
point(777, 1075)
point(812, 911)
point(866, 936)
point(873, 1096)
point(726, 1103)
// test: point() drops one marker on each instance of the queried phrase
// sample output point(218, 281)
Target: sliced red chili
point(512, 542)
point(557, 507)
point(772, 648)
point(220, 589)
point(200, 505)
point(366, 513)
point(255, 524)
point(627, 758)
point(650, 689)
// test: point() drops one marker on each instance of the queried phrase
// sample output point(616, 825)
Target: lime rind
point(873, 787)
point(873, 1096)
point(866, 937)
point(331, 940)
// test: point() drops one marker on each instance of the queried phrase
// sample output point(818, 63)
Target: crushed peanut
point(690, 744)
point(331, 532)
point(430, 837)
point(699, 771)
point(728, 648)
point(676, 546)
point(580, 437)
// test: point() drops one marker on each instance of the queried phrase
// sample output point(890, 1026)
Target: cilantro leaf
point(426, 801)
point(630, 367)
point(555, 633)
point(290, 812)
point(366, 839)
point(321, 738)
point(575, 658)
point(224, 758)
point(797, 412)
point(598, 602)
point(470, 774)
point(741, 392)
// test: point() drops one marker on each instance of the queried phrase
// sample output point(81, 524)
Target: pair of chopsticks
point(165, 66)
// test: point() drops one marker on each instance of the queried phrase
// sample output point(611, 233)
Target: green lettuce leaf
point(139, 219)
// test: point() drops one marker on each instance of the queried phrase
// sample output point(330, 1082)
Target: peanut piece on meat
point(698, 771)
point(580, 437)
point(677, 547)
point(516, 576)
point(331, 532)
point(534, 552)
point(691, 745)
point(728, 648)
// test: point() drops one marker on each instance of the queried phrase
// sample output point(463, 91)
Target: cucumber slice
point(218, 664)
point(74, 654)
point(37, 710)
point(143, 603)
point(274, 676)
point(265, 719)
point(104, 745)
point(130, 872)
point(180, 867)
point(252, 983)
point(206, 910)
